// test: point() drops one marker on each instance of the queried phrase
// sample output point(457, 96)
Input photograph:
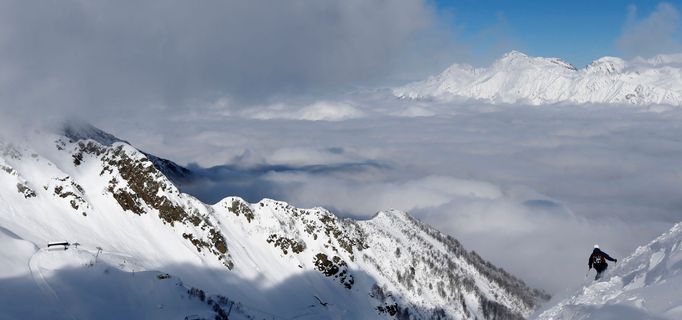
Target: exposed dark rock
point(8, 169)
point(26, 191)
point(335, 267)
point(88, 147)
point(286, 244)
point(391, 309)
point(76, 198)
point(346, 232)
point(239, 207)
point(143, 187)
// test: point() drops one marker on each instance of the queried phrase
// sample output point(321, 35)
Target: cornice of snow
point(644, 285)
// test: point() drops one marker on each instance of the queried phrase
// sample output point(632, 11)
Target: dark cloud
point(122, 56)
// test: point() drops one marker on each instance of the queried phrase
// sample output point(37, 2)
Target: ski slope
point(73, 284)
point(645, 285)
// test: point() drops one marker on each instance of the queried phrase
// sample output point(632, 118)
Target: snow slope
point(518, 78)
point(266, 260)
point(646, 285)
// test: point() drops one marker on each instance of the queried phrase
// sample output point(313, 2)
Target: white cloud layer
point(530, 188)
point(364, 198)
point(657, 33)
point(317, 111)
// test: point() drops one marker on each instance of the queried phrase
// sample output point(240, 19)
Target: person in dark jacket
point(598, 261)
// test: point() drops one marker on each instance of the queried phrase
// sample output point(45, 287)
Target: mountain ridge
point(113, 196)
point(518, 78)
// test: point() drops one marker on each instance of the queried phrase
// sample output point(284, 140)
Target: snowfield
point(646, 285)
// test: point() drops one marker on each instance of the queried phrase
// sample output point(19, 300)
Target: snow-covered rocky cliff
point(518, 78)
point(146, 250)
point(646, 285)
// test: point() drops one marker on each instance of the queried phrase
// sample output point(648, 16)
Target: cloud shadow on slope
point(83, 292)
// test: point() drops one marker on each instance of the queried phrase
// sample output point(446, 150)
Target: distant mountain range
point(518, 78)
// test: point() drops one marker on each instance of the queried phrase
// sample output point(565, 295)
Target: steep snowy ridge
point(645, 285)
point(80, 131)
point(462, 276)
point(270, 259)
point(518, 78)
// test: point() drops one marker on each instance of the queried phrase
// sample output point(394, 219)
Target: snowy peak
point(519, 78)
point(516, 60)
point(645, 285)
point(77, 130)
point(267, 257)
point(513, 58)
point(514, 55)
point(606, 66)
point(662, 59)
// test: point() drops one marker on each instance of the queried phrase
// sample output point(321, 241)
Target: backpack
point(597, 259)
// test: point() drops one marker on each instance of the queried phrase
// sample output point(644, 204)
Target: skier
point(598, 260)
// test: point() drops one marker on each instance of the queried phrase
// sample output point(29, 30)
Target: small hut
point(58, 245)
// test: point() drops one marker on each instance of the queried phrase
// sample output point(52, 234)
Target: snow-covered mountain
point(518, 78)
point(646, 285)
point(142, 249)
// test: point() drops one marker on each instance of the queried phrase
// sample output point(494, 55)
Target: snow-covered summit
point(519, 60)
point(271, 259)
point(519, 78)
point(77, 130)
point(662, 59)
point(645, 285)
point(606, 66)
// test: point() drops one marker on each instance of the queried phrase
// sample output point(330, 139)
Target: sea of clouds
point(530, 188)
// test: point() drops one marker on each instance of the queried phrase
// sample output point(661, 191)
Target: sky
point(278, 99)
point(578, 31)
point(100, 58)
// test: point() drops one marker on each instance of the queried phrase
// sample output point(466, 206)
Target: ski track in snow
point(45, 287)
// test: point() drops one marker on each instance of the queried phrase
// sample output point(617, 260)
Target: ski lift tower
point(99, 250)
